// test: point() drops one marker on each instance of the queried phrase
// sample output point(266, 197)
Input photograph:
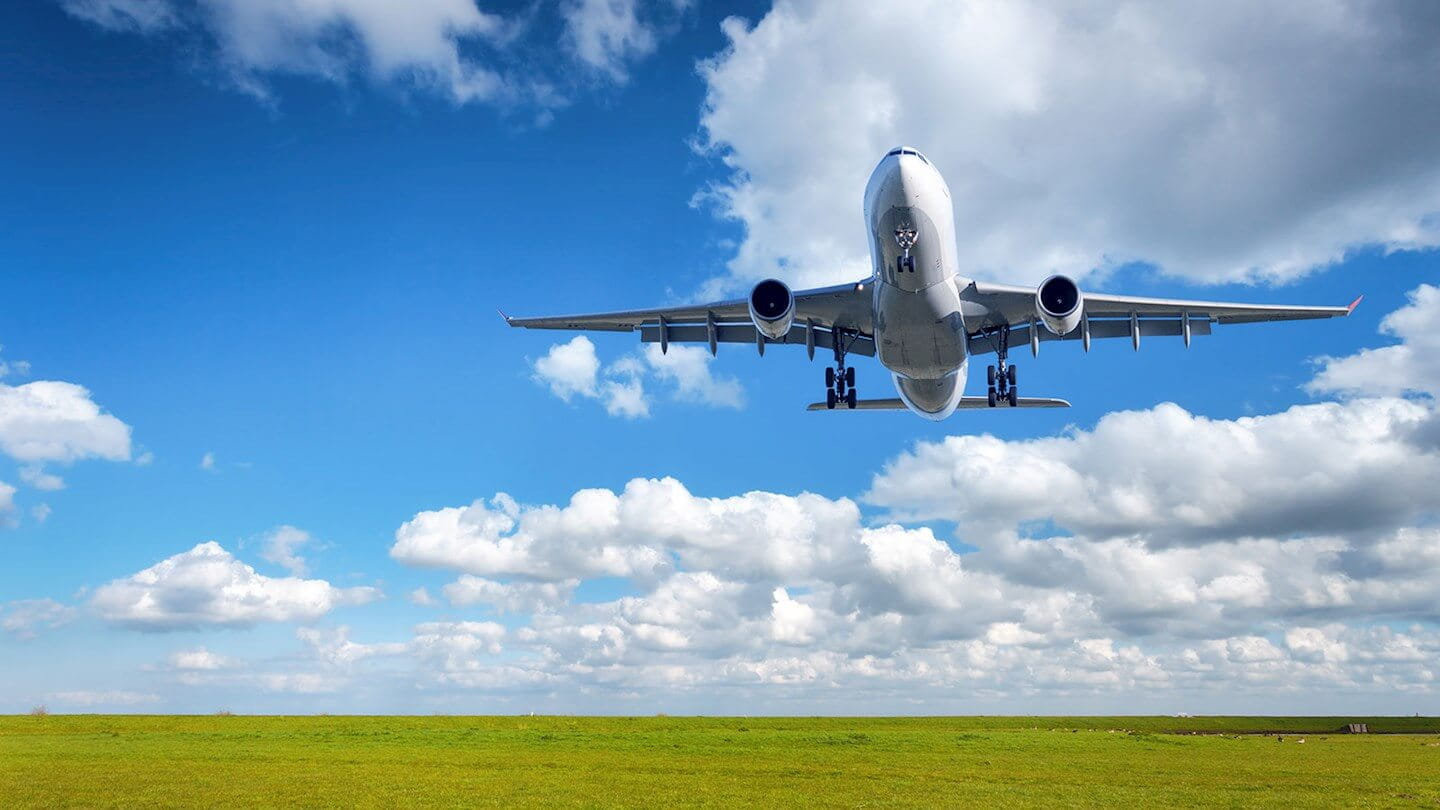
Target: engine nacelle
point(772, 308)
point(1059, 304)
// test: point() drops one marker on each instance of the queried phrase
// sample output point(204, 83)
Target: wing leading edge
point(1114, 316)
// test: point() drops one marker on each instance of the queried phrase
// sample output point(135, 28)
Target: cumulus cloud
point(1096, 568)
point(58, 421)
point(281, 546)
point(334, 647)
point(207, 586)
point(573, 369)
point(1411, 366)
point(1170, 477)
point(453, 48)
point(688, 369)
point(26, 618)
point(1248, 142)
point(508, 597)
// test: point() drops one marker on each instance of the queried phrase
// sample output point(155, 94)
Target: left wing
point(819, 313)
point(1113, 316)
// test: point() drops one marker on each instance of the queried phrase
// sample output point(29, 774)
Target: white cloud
point(508, 597)
point(7, 500)
point(570, 368)
point(207, 462)
point(1171, 477)
point(607, 34)
point(422, 597)
point(334, 647)
point(19, 368)
point(208, 586)
point(112, 697)
point(280, 548)
point(1247, 142)
point(1413, 365)
point(457, 652)
point(57, 421)
point(124, 15)
point(573, 369)
point(688, 368)
point(452, 48)
point(25, 618)
point(40, 511)
point(199, 660)
point(36, 477)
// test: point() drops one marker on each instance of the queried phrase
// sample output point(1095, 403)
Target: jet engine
point(772, 308)
point(1059, 304)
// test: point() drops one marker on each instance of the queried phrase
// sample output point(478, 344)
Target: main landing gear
point(840, 380)
point(1001, 380)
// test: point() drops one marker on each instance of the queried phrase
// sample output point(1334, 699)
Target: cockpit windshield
point(905, 150)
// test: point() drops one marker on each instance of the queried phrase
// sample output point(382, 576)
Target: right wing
point(820, 311)
point(1118, 316)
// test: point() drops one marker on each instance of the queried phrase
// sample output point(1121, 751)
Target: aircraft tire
point(830, 399)
point(850, 376)
point(850, 399)
point(1014, 399)
point(992, 397)
point(829, 378)
point(1010, 375)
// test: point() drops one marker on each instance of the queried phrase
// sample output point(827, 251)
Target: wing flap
point(746, 333)
point(1111, 328)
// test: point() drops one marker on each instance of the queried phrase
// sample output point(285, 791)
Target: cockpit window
point(903, 151)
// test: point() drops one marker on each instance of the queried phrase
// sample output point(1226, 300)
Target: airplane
point(918, 316)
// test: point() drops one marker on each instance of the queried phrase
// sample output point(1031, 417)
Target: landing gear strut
point(840, 380)
point(1001, 380)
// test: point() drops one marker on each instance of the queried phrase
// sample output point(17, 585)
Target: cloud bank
point(1238, 142)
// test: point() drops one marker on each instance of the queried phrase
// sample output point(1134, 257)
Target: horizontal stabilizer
point(966, 403)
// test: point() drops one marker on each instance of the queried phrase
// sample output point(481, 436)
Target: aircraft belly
point(919, 334)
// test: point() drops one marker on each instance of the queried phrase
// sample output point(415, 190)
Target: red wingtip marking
point(1354, 304)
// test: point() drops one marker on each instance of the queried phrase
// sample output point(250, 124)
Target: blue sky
point(281, 245)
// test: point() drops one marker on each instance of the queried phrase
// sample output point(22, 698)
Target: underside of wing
point(1010, 316)
point(821, 315)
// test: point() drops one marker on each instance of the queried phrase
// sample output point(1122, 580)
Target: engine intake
point(772, 308)
point(1059, 304)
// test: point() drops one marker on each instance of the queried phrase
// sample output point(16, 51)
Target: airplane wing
point(818, 314)
point(966, 403)
point(1113, 316)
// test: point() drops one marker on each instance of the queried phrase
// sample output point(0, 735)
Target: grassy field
point(96, 760)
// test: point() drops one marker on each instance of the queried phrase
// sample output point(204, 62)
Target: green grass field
point(95, 760)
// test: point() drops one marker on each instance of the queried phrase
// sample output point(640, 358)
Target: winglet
point(1354, 304)
point(503, 315)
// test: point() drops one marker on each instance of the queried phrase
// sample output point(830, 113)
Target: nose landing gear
point(840, 380)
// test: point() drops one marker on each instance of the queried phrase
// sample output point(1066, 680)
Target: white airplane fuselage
point(920, 336)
